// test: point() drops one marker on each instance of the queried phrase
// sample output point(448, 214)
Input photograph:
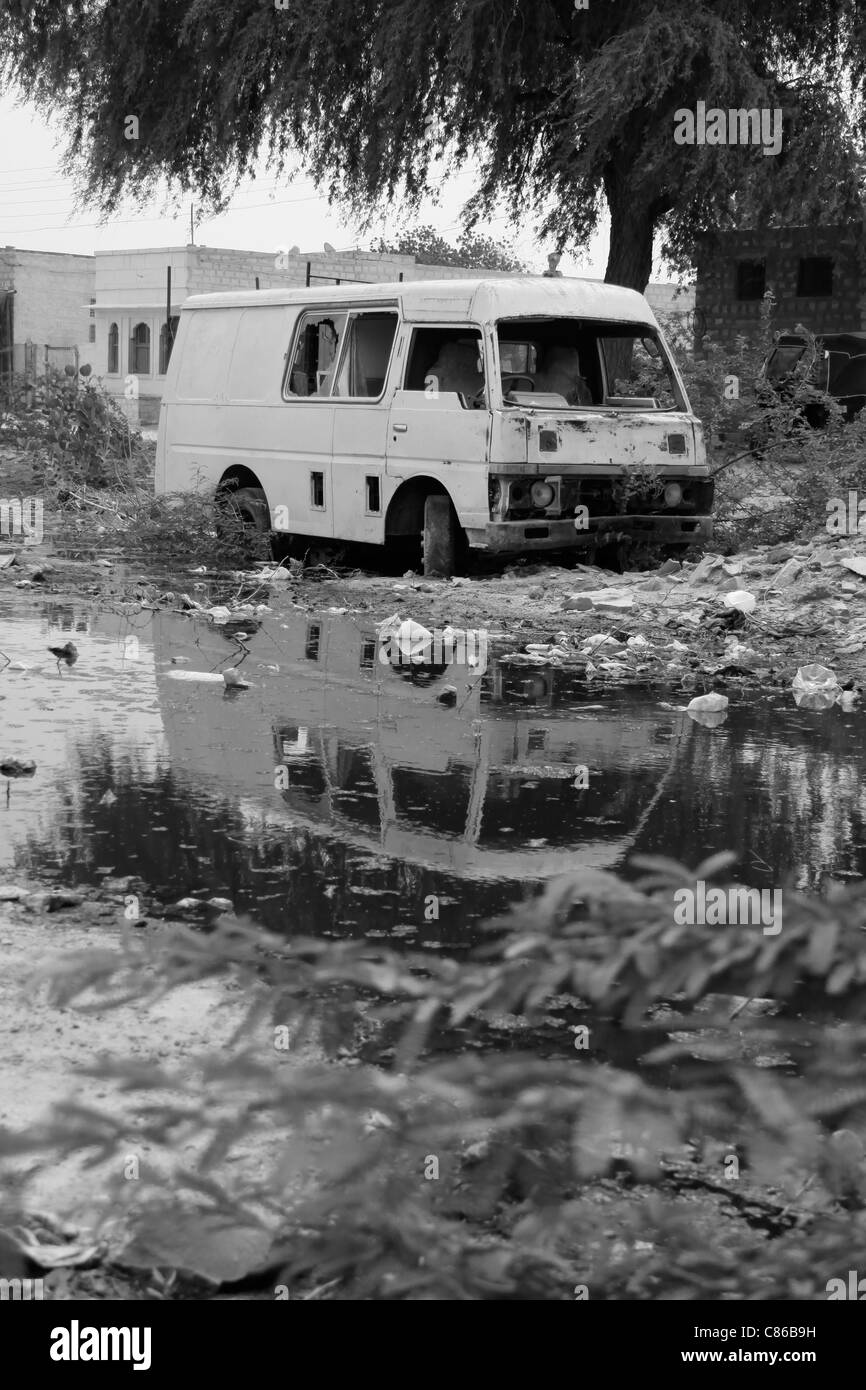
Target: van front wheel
point(440, 536)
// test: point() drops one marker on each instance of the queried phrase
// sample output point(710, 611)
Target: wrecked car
point(833, 364)
point(506, 416)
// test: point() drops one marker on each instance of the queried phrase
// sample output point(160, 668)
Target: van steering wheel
point(478, 401)
point(515, 376)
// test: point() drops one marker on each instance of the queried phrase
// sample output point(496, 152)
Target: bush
point(774, 473)
point(75, 433)
point(450, 1164)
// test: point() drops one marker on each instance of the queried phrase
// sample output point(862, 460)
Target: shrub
point(552, 1172)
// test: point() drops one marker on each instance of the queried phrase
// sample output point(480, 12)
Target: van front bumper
point(539, 534)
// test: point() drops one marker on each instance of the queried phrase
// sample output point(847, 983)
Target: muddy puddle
point(337, 795)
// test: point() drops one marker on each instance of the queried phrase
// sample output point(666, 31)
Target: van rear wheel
point(245, 519)
point(440, 537)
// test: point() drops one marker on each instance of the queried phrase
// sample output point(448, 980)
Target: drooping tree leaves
point(563, 108)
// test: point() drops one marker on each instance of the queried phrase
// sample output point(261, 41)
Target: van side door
point(360, 429)
point(440, 415)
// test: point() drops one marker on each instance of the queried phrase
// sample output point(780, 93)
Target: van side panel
point(227, 411)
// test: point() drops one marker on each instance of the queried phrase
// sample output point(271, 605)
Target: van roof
point(481, 300)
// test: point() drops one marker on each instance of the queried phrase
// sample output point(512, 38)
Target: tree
point(473, 251)
point(565, 108)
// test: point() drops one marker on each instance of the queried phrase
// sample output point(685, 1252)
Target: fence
point(30, 360)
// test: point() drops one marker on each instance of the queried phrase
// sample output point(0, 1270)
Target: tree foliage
point(429, 247)
point(564, 109)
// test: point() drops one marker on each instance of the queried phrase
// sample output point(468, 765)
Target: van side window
point(364, 364)
point(317, 347)
point(447, 359)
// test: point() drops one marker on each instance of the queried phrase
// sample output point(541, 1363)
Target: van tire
point(440, 536)
point(249, 507)
point(252, 504)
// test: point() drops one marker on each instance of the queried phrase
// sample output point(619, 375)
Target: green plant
point(74, 431)
point(553, 1170)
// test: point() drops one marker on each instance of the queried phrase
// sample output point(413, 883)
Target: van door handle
point(400, 429)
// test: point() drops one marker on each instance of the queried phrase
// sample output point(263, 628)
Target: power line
point(130, 221)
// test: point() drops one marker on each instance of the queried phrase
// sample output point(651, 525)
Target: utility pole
point(191, 226)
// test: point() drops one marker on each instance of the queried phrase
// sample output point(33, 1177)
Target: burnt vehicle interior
point(837, 368)
point(581, 363)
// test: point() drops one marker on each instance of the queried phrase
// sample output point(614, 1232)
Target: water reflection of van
point(504, 415)
point(335, 742)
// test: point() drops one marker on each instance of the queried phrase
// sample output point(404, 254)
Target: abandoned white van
point(501, 415)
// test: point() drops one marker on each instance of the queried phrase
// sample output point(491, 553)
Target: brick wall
point(52, 292)
point(670, 299)
point(723, 315)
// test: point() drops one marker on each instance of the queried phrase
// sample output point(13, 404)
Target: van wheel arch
point(438, 541)
point(234, 479)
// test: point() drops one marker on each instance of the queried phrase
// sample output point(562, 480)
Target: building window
point(751, 279)
point(139, 350)
point(114, 348)
point(91, 330)
point(815, 277)
point(167, 335)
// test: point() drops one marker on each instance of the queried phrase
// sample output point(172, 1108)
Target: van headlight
point(542, 494)
point(673, 495)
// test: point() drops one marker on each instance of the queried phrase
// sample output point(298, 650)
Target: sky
point(39, 211)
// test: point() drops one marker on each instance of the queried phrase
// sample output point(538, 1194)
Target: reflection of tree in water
point(180, 840)
point(789, 799)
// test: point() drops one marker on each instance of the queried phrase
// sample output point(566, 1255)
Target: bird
point(16, 767)
point(68, 654)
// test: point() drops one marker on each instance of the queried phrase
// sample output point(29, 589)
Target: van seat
point(456, 369)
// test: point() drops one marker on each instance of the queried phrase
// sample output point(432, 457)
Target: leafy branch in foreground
point(452, 1165)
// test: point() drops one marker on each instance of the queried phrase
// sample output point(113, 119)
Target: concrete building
point(45, 300)
point(817, 276)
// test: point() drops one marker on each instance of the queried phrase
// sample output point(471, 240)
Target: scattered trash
point(742, 600)
point(856, 563)
point(710, 710)
point(447, 695)
point(815, 687)
point(18, 767)
point(234, 680)
point(219, 614)
point(602, 639)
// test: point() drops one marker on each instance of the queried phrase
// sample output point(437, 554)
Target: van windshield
point(585, 364)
